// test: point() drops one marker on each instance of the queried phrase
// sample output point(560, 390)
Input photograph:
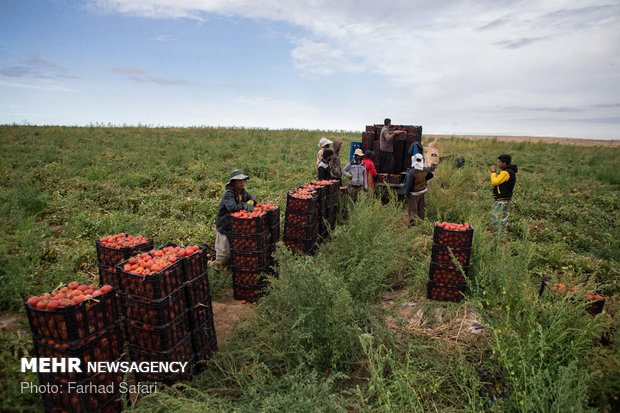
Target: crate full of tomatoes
point(440, 254)
point(453, 235)
point(182, 352)
point(153, 275)
point(117, 248)
point(73, 398)
point(157, 337)
point(254, 222)
point(72, 312)
point(301, 200)
point(204, 340)
point(444, 292)
point(155, 312)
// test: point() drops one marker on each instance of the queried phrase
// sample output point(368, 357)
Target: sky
point(484, 67)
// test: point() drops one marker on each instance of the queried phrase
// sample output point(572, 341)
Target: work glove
point(250, 202)
point(247, 207)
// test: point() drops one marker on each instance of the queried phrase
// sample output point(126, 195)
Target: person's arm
point(373, 170)
point(230, 202)
point(498, 179)
point(429, 174)
point(345, 170)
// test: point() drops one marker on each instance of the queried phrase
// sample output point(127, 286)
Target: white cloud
point(54, 88)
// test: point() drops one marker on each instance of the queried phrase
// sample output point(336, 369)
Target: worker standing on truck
point(356, 172)
point(386, 147)
point(503, 184)
point(416, 187)
point(235, 198)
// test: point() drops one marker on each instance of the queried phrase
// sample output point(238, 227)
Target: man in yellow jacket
point(503, 185)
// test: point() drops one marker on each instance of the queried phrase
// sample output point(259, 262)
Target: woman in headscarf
point(335, 166)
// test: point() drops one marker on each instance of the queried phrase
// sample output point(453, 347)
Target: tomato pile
point(444, 292)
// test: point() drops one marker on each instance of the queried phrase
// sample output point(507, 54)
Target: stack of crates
point(252, 241)
point(301, 222)
point(370, 140)
point(446, 282)
point(328, 204)
point(89, 330)
point(168, 311)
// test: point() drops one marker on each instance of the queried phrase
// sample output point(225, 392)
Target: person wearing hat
point(235, 198)
point(356, 172)
point(415, 187)
point(371, 171)
point(335, 167)
point(386, 147)
point(323, 144)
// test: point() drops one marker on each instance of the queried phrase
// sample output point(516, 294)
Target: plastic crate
point(250, 260)
point(154, 286)
point(381, 177)
point(333, 199)
point(301, 218)
point(595, 306)
point(446, 237)
point(272, 217)
point(250, 243)
point(248, 226)
point(441, 255)
point(155, 312)
point(77, 398)
point(112, 256)
point(249, 278)
point(301, 204)
point(182, 352)
point(106, 345)
point(446, 274)
point(201, 313)
point(445, 292)
point(204, 340)
point(274, 233)
point(197, 290)
point(305, 246)
point(250, 294)
point(108, 275)
point(300, 231)
point(160, 338)
point(395, 178)
point(196, 263)
point(74, 322)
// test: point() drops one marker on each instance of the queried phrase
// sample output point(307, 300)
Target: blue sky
point(539, 68)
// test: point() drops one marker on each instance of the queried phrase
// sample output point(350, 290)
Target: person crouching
point(235, 198)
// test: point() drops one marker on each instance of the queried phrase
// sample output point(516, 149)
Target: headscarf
point(417, 161)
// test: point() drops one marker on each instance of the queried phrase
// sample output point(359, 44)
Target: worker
point(371, 171)
point(356, 172)
point(235, 198)
point(324, 171)
point(335, 167)
point(386, 147)
point(503, 184)
point(416, 187)
point(323, 144)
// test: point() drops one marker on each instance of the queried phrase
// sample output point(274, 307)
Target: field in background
point(322, 338)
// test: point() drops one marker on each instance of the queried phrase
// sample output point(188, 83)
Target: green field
point(324, 339)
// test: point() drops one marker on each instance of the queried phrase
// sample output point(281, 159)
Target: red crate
point(105, 345)
point(182, 352)
point(77, 321)
point(112, 256)
point(155, 312)
point(445, 292)
point(201, 313)
point(250, 260)
point(256, 242)
point(78, 398)
point(155, 285)
point(441, 255)
point(442, 236)
point(160, 338)
point(196, 290)
point(446, 274)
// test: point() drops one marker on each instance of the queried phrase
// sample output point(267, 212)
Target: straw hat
point(324, 142)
